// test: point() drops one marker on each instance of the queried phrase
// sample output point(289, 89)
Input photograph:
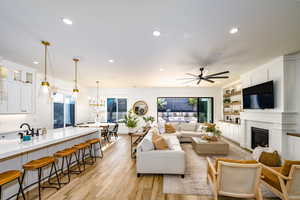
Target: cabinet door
point(26, 98)
point(3, 96)
point(13, 97)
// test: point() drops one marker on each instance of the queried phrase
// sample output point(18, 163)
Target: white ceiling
point(193, 33)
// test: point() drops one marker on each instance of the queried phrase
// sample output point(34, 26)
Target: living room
point(150, 100)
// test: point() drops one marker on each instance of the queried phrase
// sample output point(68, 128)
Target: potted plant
point(212, 133)
point(148, 120)
point(131, 121)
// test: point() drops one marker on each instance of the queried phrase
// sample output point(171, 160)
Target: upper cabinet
point(17, 84)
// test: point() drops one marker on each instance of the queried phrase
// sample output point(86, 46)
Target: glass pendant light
point(75, 90)
point(45, 84)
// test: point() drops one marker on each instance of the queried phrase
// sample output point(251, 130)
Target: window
point(185, 109)
point(116, 109)
point(63, 111)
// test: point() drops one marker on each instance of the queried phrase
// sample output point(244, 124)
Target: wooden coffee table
point(204, 147)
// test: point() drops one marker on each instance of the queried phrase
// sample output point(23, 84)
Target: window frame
point(212, 99)
point(117, 110)
point(65, 94)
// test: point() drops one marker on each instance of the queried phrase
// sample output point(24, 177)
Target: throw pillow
point(160, 143)
point(169, 128)
point(286, 168)
point(270, 159)
point(155, 136)
point(188, 126)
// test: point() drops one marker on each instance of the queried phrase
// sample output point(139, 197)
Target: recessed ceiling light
point(35, 62)
point(111, 61)
point(156, 33)
point(67, 21)
point(234, 30)
point(161, 69)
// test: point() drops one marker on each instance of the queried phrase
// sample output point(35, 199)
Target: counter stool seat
point(9, 176)
point(82, 145)
point(81, 148)
point(39, 163)
point(94, 141)
point(65, 152)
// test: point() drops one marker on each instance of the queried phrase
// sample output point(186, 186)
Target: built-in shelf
point(294, 134)
point(232, 102)
point(228, 122)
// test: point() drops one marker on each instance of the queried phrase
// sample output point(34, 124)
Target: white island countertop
point(12, 147)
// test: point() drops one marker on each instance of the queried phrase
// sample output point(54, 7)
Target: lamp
point(45, 84)
point(75, 90)
point(98, 102)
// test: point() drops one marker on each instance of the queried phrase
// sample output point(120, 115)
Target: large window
point(63, 111)
point(185, 109)
point(116, 109)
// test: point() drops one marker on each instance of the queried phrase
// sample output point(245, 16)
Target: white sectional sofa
point(184, 131)
point(151, 161)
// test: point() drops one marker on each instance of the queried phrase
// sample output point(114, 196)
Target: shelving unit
point(232, 103)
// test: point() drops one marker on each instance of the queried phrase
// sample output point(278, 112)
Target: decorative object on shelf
point(45, 84)
point(75, 90)
point(226, 101)
point(148, 120)
point(140, 108)
point(131, 121)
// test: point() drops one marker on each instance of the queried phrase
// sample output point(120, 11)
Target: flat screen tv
point(259, 96)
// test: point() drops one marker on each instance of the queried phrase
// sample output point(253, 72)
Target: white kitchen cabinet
point(26, 98)
point(13, 97)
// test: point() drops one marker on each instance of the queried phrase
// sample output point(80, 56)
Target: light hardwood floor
point(113, 178)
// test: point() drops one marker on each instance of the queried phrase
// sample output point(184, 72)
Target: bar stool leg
point(57, 177)
point(0, 192)
point(68, 168)
point(21, 188)
point(39, 181)
point(78, 163)
point(91, 155)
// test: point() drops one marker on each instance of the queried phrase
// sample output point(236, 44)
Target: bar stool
point(82, 148)
point(9, 176)
point(66, 155)
point(39, 164)
point(93, 143)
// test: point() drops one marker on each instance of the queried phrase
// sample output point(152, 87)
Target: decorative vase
point(131, 130)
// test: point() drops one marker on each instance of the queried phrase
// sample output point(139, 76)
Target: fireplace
point(259, 137)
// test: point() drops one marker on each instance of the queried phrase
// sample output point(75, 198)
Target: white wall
point(42, 115)
point(150, 95)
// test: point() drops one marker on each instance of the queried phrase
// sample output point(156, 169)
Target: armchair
point(234, 178)
point(283, 181)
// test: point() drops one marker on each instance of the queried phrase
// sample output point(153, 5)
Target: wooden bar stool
point(9, 176)
point(39, 164)
point(66, 156)
point(93, 143)
point(81, 148)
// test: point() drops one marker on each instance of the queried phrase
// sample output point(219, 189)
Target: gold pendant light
point(45, 84)
point(75, 90)
point(99, 102)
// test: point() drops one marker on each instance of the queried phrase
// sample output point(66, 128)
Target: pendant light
point(45, 84)
point(75, 90)
point(97, 103)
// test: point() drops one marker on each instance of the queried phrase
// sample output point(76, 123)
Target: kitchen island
point(14, 152)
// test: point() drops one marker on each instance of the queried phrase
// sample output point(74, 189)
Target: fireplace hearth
point(259, 137)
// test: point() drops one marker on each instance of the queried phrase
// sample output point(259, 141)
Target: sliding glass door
point(185, 109)
point(116, 109)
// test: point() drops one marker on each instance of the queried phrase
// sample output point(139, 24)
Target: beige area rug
point(194, 182)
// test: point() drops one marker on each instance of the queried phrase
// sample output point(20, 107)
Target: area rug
point(194, 182)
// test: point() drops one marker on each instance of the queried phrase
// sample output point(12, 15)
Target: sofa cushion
point(169, 128)
point(147, 144)
point(286, 168)
point(271, 178)
point(155, 136)
point(188, 127)
point(173, 142)
point(190, 134)
point(270, 159)
point(160, 143)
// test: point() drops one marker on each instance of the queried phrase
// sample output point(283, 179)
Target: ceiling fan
point(207, 78)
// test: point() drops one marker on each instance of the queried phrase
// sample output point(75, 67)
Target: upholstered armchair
point(235, 178)
point(283, 181)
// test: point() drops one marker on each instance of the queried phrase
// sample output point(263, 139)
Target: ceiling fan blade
point(192, 75)
point(189, 81)
point(199, 81)
point(220, 73)
point(182, 79)
point(211, 77)
point(206, 79)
